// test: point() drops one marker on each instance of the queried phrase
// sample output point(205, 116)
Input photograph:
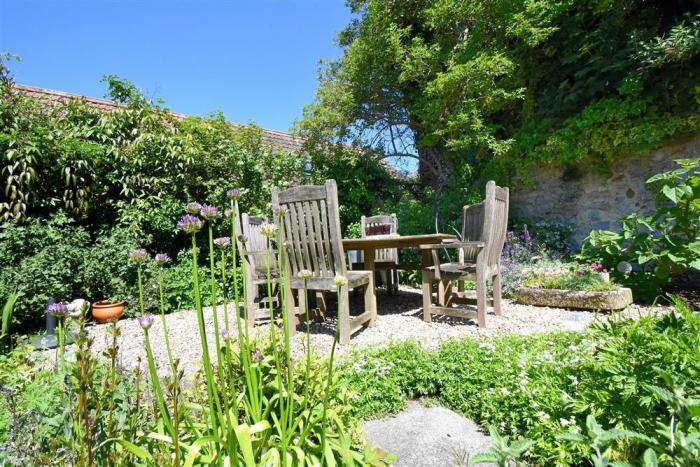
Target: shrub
point(42, 260)
point(522, 254)
point(658, 246)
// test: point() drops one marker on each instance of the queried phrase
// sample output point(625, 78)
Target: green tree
point(506, 84)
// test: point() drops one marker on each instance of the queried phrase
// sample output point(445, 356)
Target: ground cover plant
point(583, 277)
point(636, 378)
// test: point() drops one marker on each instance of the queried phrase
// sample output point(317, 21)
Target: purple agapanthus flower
point(280, 210)
point(210, 213)
point(257, 356)
point(145, 321)
point(138, 256)
point(233, 193)
point(59, 310)
point(162, 259)
point(193, 207)
point(222, 242)
point(190, 224)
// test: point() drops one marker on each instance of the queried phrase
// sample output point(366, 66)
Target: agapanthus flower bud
point(233, 193)
point(145, 321)
point(304, 274)
point(228, 213)
point(242, 238)
point(190, 224)
point(138, 256)
point(59, 310)
point(341, 281)
point(193, 207)
point(162, 259)
point(210, 213)
point(226, 334)
point(280, 210)
point(222, 242)
point(268, 230)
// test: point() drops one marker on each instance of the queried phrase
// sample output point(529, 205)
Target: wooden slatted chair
point(483, 235)
point(386, 259)
point(255, 254)
point(313, 242)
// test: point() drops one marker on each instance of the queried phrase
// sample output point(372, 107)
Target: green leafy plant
point(5, 320)
point(651, 249)
point(503, 452)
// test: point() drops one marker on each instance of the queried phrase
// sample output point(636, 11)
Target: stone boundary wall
point(592, 200)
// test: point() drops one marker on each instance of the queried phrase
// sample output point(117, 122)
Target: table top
point(394, 241)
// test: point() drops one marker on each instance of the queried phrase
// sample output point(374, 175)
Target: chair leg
point(344, 317)
point(371, 304)
point(481, 299)
point(427, 297)
point(389, 274)
point(385, 283)
point(396, 280)
point(497, 294)
point(303, 311)
point(443, 287)
point(321, 305)
point(448, 292)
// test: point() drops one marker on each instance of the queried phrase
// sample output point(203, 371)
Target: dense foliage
point(651, 249)
point(83, 186)
point(635, 376)
point(507, 84)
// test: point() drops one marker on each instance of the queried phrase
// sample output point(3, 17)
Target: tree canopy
point(504, 84)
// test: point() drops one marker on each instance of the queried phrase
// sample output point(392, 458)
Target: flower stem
point(165, 324)
point(211, 392)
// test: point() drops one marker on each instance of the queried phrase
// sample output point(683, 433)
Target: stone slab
point(427, 437)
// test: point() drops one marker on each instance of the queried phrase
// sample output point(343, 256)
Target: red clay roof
point(274, 138)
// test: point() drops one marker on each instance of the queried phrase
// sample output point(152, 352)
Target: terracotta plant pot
point(105, 311)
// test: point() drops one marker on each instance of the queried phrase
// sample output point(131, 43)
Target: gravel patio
point(399, 318)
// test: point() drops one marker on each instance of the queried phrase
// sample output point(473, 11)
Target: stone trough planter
point(558, 298)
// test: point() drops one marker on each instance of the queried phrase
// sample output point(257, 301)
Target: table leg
point(371, 291)
point(426, 260)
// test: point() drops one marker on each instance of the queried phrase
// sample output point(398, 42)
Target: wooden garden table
point(369, 246)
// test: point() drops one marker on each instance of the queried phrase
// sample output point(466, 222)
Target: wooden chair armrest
point(258, 252)
point(439, 246)
point(435, 247)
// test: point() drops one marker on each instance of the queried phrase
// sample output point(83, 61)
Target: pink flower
point(580, 271)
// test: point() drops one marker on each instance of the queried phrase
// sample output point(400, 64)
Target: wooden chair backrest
point(496, 207)
point(312, 229)
point(386, 254)
point(487, 222)
point(256, 244)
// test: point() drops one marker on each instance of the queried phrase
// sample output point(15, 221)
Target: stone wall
point(592, 200)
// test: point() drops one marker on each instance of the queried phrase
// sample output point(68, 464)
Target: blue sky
point(256, 61)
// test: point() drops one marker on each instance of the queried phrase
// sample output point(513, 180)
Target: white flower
point(268, 230)
point(304, 274)
point(341, 281)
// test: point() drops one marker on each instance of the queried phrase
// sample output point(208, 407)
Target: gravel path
point(400, 318)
